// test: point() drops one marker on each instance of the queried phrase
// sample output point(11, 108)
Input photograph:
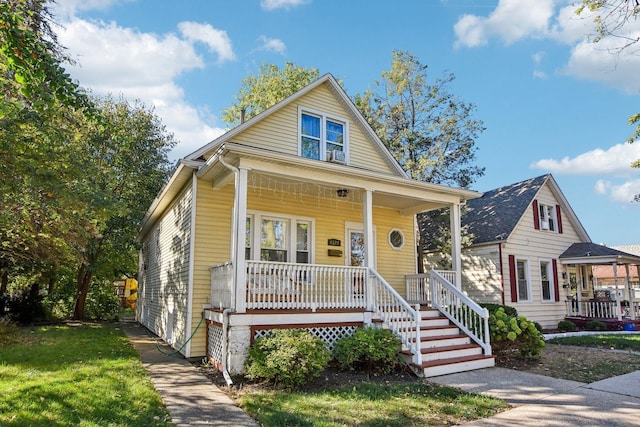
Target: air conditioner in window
point(336, 156)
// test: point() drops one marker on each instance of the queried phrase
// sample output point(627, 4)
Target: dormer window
point(547, 217)
point(322, 137)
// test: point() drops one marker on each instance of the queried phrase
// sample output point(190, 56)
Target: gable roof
point(494, 216)
point(344, 100)
point(591, 253)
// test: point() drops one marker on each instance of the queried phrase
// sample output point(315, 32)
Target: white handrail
point(465, 313)
point(397, 314)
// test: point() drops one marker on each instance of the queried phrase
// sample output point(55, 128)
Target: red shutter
point(556, 281)
point(536, 215)
point(559, 216)
point(513, 279)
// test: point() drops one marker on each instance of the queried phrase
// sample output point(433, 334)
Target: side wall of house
point(481, 278)
point(164, 273)
point(533, 246)
point(280, 131)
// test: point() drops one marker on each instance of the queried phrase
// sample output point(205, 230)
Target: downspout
point(501, 272)
point(226, 311)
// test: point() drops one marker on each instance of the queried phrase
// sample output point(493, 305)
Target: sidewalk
point(544, 401)
point(190, 398)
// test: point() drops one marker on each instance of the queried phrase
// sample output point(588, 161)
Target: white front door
point(355, 246)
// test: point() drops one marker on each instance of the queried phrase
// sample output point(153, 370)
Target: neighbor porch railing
point(397, 314)
point(417, 286)
point(603, 309)
point(465, 313)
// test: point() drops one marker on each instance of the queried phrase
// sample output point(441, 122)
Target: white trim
point(192, 249)
point(404, 240)
point(552, 281)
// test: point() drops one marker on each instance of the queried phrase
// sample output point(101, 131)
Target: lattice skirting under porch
point(214, 344)
point(329, 334)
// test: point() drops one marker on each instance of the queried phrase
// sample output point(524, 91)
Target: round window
point(396, 239)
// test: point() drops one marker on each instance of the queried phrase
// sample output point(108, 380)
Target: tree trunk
point(83, 281)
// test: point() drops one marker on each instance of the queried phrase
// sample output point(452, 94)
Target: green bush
point(514, 334)
point(27, 306)
point(369, 349)
point(538, 326)
point(290, 357)
point(595, 325)
point(567, 326)
point(509, 311)
point(102, 302)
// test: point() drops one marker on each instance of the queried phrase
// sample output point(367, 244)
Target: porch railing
point(397, 314)
point(603, 309)
point(417, 286)
point(272, 285)
point(221, 285)
point(465, 313)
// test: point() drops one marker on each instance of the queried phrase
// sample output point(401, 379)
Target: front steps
point(445, 350)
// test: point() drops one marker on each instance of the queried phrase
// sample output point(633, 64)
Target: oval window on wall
point(396, 239)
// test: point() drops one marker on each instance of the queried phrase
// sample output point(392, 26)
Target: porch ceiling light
point(342, 192)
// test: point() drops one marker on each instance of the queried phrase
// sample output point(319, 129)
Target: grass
point(629, 342)
point(370, 404)
point(75, 375)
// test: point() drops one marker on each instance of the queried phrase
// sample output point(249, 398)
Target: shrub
point(566, 326)
point(290, 357)
point(514, 333)
point(509, 311)
point(27, 306)
point(538, 326)
point(369, 349)
point(596, 325)
point(102, 302)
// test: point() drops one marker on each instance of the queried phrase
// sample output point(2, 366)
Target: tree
point(126, 156)
point(614, 18)
point(267, 87)
point(429, 131)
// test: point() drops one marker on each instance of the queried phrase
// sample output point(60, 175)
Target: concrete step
point(439, 367)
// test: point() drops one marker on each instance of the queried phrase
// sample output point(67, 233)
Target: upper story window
point(322, 137)
point(547, 217)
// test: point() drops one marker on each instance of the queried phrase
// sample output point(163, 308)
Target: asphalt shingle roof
point(579, 250)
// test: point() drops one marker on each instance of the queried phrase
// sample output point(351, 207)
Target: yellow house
point(300, 217)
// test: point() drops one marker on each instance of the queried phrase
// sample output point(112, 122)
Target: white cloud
point(623, 193)
point(118, 60)
point(65, 9)
point(510, 21)
point(217, 40)
point(616, 160)
point(272, 45)
point(281, 4)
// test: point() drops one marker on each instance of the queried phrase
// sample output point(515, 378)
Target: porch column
point(237, 240)
point(369, 244)
point(615, 281)
point(629, 296)
point(455, 226)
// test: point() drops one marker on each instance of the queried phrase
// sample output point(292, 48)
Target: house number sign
point(334, 242)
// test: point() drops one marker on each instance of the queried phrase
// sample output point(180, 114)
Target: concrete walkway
point(190, 397)
point(544, 401)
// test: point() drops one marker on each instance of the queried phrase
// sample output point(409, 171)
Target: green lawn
point(83, 375)
point(414, 403)
point(609, 341)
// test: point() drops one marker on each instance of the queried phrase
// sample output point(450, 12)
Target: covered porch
point(617, 299)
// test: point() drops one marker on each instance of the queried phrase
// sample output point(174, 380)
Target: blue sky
point(551, 101)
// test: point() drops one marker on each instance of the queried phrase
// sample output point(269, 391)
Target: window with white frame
point(547, 217)
point(321, 135)
point(546, 281)
point(522, 276)
point(278, 238)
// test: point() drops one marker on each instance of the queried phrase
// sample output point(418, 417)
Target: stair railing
point(465, 313)
point(397, 314)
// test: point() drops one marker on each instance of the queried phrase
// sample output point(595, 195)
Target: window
point(547, 218)
point(278, 238)
point(396, 239)
point(320, 135)
point(523, 280)
point(546, 280)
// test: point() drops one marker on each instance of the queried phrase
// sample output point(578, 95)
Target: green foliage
point(370, 349)
point(266, 88)
point(567, 326)
point(27, 306)
point(514, 334)
point(290, 357)
point(492, 307)
point(595, 325)
point(102, 302)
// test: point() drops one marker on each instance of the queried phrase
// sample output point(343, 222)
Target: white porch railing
point(603, 309)
point(465, 313)
point(272, 286)
point(221, 285)
point(417, 286)
point(397, 314)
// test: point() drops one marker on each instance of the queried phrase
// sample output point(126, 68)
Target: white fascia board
point(573, 218)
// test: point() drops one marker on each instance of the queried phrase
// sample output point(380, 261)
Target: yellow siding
point(279, 131)
point(481, 274)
